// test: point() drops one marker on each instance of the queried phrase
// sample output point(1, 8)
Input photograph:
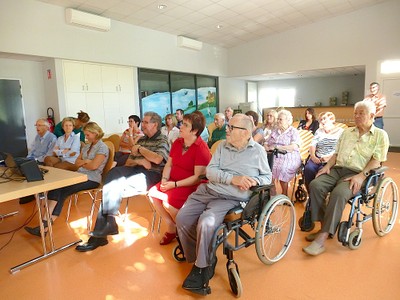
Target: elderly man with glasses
point(42, 145)
point(238, 164)
point(142, 170)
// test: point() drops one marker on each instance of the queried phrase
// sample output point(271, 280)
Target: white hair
point(288, 115)
point(368, 105)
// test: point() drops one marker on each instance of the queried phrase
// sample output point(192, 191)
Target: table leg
point(43, 197)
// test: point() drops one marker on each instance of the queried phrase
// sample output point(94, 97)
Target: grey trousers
point(330, 213)
point(197, 220)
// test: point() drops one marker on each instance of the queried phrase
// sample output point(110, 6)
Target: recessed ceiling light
point(162, 6)
point(219, 26)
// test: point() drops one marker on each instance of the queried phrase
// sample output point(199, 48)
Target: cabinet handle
point(83, 87)
point(87, 87)
point(116, 88)
point(119, 87)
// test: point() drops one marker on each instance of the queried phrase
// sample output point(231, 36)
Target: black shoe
point(101, 229)
point(197, 281)
point(26, 199)
point(36, 230)
point(92, 244)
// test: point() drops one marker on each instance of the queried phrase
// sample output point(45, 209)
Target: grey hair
point(154, 118)
point(245, 121)
point(219, 115)
point(368, 105)
point(44, 120)
point(288, 114)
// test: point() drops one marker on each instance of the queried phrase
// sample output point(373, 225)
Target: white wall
point(231, 92)
point(36, 28)
point(311, 90)
point(360, 38)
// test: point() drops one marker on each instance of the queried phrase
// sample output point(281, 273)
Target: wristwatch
point(366, 173)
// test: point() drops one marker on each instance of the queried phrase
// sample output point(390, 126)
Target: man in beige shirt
point(359, 150)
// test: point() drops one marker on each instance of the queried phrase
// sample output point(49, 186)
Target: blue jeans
point(310, 170)
point(379, 122)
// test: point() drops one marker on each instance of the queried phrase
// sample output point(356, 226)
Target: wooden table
point(53, 179)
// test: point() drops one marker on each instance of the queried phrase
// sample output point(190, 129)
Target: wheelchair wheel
point(234, 279)
point(300, 195)
point(275, 229)
point(306, 225)
point(178, 254)
point(355, 239)
point(342, 232)
point(385, 209)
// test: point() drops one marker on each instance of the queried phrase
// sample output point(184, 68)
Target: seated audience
point(238, 164)
point(270, 122)
point(359, 150)
point(66, 149)
point(310, 121)
point(219, 133)
point(188, 159)
point(43, 143)
point(258, 133)
point(128, 138)
point(322, 146)
point(141, 171)
point(91, 162)
point(82, 119)
point(170, 130)
point(284, 137)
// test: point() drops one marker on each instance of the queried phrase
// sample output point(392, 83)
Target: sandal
point(168, 238)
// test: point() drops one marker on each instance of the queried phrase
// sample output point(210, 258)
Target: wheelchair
point(273, 221)
point(380, 196)
point(300, 194)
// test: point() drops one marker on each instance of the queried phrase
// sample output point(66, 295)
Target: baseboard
point(394, 149)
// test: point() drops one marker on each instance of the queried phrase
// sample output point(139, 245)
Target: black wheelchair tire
point(178, 254)
point(234, 280)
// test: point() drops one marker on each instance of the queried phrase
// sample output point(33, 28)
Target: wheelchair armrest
point(259, 188)
point(378, 171)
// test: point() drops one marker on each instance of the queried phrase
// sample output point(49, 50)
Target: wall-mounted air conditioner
point(84, 19)
point(188, 43)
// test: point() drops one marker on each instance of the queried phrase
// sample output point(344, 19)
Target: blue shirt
point(41, 146)
point(73, 143)
point(227, 161)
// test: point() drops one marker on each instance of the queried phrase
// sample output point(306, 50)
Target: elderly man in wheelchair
point(359, 151)
point(237, 165)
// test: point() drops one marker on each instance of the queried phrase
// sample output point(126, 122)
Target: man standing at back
point(142, 170)
point(179, 117)
point(380, 103)
point(43, 143)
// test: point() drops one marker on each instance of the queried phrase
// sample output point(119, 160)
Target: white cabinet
point(118, 89)
point(105, 92)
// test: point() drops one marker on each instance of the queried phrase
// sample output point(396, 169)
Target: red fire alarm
point(48, 74)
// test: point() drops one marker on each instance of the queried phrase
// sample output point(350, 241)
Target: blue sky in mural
point(160, 102)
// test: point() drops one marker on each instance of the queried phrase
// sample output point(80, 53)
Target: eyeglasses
point(39, 125)
point(231, 127)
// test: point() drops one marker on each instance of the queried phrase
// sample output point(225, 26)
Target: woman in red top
point(188, 159)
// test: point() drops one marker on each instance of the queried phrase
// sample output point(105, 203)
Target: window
point(272, 97)
point(164, 92)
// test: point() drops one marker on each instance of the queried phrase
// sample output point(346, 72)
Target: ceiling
point(240, 21)
point(225, 23)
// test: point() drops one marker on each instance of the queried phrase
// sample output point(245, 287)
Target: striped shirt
point(325, 142)
point(158, 143)
point(380, 102)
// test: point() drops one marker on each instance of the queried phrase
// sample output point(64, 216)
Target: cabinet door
point(75, 103)
point(125, 80)
point(114, 123)
point(95, 108)
point(109, 76)
point(93, 78)
point(74, 77)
